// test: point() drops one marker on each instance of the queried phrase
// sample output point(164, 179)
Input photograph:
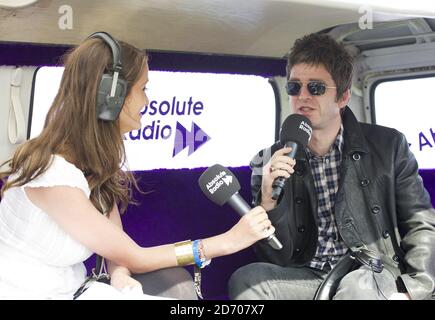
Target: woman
point(60, 182)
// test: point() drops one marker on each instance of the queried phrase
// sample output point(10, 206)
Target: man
point(356, 186)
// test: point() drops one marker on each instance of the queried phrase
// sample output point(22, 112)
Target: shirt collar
point(337, 145)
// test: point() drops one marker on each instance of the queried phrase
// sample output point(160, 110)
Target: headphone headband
point(114, 46)
point(113, 88)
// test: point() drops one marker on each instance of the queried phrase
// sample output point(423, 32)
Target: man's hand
point(280, 165)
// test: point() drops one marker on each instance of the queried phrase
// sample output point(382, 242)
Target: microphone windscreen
point(296, 128)
point(218, 184)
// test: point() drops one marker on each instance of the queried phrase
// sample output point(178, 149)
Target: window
point(408, 106)
point(192, 120)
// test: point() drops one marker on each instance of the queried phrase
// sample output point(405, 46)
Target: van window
point(408, 106)
point(192, 119)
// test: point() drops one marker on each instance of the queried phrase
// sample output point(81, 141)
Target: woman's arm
point(120, 277)
point(76, 215)
point(112, 267)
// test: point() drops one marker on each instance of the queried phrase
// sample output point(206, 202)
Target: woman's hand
point(253, 226)
point(280, 165)
point(124, 282)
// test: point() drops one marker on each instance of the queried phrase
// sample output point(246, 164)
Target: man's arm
point(278, 215)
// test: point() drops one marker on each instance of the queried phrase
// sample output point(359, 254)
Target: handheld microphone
point(295, 131)
point(222, 187)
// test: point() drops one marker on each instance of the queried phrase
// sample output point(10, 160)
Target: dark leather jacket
point(381, 203)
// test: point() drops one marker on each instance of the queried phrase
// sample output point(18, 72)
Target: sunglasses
point(315, 88)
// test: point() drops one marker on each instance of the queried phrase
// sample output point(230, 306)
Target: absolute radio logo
point(158, 124)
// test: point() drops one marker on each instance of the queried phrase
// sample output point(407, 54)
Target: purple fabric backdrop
point(428, 177)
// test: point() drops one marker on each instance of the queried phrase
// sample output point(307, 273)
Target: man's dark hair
point(321, 49)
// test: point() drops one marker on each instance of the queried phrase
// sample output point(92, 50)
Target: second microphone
point(222, 187)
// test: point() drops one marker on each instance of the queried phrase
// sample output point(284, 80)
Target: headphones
point(369, 258)
point(112, 89)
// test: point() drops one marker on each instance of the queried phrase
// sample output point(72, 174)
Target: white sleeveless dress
point(38, 260)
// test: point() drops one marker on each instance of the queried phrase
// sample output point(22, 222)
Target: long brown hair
point(73, 130)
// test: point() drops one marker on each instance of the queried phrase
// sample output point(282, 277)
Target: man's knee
point(184, 287)
point(365, 284)
point(173, 282)
point(237, 283)
point(243, 283)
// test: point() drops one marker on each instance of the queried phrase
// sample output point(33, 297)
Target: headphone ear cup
point(108, 108)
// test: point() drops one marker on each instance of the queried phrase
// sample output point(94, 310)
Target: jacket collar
point(354, 139)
